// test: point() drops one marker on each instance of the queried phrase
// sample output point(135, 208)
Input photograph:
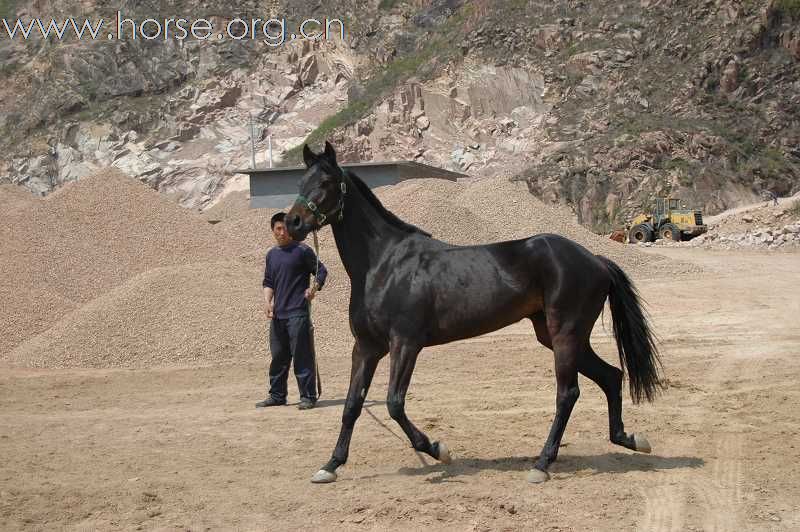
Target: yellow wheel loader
point(670, 220)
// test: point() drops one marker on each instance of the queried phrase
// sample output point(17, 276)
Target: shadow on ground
point(588, 465)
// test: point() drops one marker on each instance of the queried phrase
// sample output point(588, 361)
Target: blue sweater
point(286, 271)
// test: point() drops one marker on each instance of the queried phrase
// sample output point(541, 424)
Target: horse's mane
point(383, 211)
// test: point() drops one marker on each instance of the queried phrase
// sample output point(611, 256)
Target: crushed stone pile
point(107, 273)
point(64, 250)
point(14, 199)
point(432, 205)
point(199, 314)
point(232, 205)
point(495, 209)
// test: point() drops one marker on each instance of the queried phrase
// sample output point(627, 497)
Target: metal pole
point(252, 139)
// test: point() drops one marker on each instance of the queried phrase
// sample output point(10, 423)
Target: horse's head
point(321, 198)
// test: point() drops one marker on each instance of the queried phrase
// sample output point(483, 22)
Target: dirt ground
point(185, 449)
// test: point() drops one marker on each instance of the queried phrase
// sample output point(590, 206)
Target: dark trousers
point(289, 339)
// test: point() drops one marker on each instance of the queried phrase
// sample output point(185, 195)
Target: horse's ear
point(308, 156)
point(330, 153)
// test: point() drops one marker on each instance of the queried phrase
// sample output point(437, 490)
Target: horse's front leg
point(403, 357)
point(365, 360)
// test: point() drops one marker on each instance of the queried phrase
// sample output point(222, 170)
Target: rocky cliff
point(600, 105)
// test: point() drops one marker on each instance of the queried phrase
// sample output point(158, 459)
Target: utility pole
point(252, 139)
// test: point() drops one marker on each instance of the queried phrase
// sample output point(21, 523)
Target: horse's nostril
point(296, 223)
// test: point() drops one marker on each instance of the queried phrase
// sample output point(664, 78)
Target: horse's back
point(561, 245)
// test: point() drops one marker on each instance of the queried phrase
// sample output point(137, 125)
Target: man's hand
point(311, 292)
point(268, 301)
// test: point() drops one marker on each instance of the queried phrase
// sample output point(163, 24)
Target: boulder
point(729, 81)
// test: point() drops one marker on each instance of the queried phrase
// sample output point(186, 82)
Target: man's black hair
point(277, 217)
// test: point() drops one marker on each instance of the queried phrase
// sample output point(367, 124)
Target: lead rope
point(313, 345)
point(321, 218)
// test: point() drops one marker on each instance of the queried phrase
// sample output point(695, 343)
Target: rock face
point(601, 109)
point(176, 115)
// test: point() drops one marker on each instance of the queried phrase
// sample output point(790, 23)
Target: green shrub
point(788, 8)
point(8, 8)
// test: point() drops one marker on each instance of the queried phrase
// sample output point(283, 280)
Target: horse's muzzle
point(299, 226)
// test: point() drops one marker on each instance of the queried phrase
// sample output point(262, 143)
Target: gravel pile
point(108, 273)
point(14, 199)
point(495, 209)
point(83, 240)
point(433, 205)
point(190, 315)
point(232, 205)
point(520, 215)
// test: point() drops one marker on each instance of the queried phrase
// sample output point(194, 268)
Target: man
point(287, 295)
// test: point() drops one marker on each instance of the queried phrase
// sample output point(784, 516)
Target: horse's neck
point(362, 236)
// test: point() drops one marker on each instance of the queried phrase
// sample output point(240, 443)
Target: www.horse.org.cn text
point(270, 31)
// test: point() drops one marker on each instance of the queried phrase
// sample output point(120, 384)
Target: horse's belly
point(470, 320)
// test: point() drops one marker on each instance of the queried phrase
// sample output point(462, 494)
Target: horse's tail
point(635, 341)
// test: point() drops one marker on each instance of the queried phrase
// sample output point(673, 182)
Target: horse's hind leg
point(609, 379)
point(567, 349)
point(540, 326)
point(403, 357)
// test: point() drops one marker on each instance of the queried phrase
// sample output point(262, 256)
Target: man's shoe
point(269, 401)
point(306, 404)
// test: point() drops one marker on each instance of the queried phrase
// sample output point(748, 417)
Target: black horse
point(410, 291)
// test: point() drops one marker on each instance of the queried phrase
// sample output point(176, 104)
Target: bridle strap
point(322, 217)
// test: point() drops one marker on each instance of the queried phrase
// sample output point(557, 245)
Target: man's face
point(281, 235)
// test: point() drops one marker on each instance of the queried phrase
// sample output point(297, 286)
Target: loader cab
point(665, 205)
point(663, 208)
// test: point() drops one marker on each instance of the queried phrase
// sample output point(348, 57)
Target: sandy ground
point(185, 449)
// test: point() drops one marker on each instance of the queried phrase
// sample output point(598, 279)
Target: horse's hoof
point(642, 445)
point(444, 453)
point(323, 477)
point(537, 476)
